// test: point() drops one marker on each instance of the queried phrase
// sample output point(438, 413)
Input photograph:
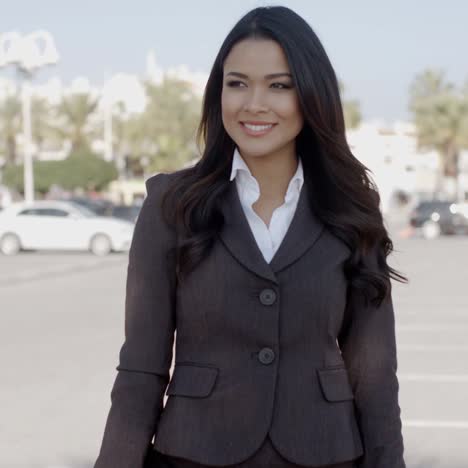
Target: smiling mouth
point(257, 129)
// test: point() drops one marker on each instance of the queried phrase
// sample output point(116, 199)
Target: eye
point(281, 86)
point(234, 84)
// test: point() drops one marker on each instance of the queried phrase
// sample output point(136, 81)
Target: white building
point(390, 152)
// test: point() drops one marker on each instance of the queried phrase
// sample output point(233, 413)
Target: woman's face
point(260, 107)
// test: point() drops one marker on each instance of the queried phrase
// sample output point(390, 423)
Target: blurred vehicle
point(128, 212)
point(104, 207)
point(100, 206)
point(50, 225)
point(435, 218)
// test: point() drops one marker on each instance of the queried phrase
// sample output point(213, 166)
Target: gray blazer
point(280, 349)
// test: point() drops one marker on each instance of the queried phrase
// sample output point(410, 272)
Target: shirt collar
point(240, 166)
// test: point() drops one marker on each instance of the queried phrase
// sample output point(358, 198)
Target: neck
point(273, 172)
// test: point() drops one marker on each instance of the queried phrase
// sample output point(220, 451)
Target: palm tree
point(164, 133)
point(440, 114)
point(73, 119)
point(120, 135)
point(11, 123)
point(41, 123)
point(10, 126)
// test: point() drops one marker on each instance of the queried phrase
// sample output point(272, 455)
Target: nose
point(255, 101)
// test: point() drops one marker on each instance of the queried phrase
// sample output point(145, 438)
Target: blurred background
point(95, 97)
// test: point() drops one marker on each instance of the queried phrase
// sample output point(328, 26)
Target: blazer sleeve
point(146, 354)
point(368, 346)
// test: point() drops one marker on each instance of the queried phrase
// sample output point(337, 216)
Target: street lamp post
point(109, 102)
point(28, 54)
point(27, 131)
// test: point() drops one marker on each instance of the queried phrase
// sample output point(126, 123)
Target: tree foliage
point(440, 113)
point(72, 119)
point(81, 169)
point(165, 132)
point(10, 126)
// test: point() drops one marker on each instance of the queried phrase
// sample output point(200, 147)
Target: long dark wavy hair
point(341, 192)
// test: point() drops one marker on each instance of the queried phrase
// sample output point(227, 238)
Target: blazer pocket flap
point(192, 380)
point(335, 384)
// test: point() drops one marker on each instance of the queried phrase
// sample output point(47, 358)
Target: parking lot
point(61, 327)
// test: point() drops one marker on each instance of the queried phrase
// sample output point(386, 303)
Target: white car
point(57, 225)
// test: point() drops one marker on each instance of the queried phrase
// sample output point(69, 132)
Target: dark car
point(101, 206)
point(437, 217)
point(128, 212)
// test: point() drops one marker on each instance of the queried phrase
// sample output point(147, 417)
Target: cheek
point(292, 113)
point(288, 109)
point(228, 106)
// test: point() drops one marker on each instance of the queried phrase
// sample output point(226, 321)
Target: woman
point(268, 259)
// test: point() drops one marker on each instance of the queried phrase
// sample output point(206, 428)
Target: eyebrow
point(267, 77)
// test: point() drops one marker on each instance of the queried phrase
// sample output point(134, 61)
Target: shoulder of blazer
point(156, 186)
point(156, 183)
point(151, 211)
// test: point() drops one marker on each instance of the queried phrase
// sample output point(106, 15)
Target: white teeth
point(258, 128)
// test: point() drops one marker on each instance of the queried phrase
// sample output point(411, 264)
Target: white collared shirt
point(268, 238)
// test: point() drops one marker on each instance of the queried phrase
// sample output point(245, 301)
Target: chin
point(253, 152)
point(258, 150)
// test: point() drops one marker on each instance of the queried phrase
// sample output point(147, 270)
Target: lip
point(253, 133)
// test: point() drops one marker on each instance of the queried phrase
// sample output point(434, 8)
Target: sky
point(376, 48)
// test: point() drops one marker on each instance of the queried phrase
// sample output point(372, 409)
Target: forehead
point(256, 57)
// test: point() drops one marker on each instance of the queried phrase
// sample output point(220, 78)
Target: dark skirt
point(265, 457)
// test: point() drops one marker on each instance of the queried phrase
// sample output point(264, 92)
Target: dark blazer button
point(267, 297)
point(266, 356)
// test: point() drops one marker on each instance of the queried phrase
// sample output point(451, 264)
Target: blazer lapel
point(237, 236)
point(303, 232)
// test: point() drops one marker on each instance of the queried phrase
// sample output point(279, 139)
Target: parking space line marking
point(433, 327)
point(456, 378)
point(409, 347)
point(429, 423)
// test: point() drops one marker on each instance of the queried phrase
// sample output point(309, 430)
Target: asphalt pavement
point(61, 327)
